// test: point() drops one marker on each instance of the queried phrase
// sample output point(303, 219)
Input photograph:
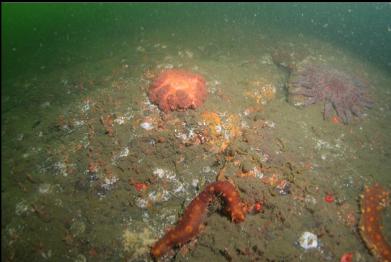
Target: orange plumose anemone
point(178, 90)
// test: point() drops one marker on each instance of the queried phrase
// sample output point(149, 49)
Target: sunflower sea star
point(311, 83)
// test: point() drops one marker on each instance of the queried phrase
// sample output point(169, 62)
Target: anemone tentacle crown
point(178, 90)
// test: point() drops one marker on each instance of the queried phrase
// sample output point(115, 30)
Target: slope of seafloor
point(102, 173)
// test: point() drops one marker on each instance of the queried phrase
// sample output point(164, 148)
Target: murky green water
point(92, 171)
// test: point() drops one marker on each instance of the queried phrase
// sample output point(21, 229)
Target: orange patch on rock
point(213, 121)
point(336, 120)
point(140, 186)
point(107, 122)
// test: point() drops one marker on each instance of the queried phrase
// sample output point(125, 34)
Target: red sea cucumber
point(374, 200)
point(191, 222)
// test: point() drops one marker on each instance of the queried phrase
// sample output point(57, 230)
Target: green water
point(48, 32)
point(67, 68)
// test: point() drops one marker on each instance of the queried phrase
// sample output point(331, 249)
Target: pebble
point(77, 228)
point(247, 166)
point(80, 258)
point(120, 120)
point(22, 208)
point(20, 137)
point(45, 104)
point(45, 188)
point(195, 182)
point(140, 49)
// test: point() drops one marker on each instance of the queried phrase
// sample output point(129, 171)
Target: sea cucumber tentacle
point(191, 222)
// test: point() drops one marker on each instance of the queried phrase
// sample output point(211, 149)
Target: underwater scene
point(196, 132)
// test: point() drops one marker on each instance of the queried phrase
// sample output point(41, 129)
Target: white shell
point(308, 240)
point(146, 125)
